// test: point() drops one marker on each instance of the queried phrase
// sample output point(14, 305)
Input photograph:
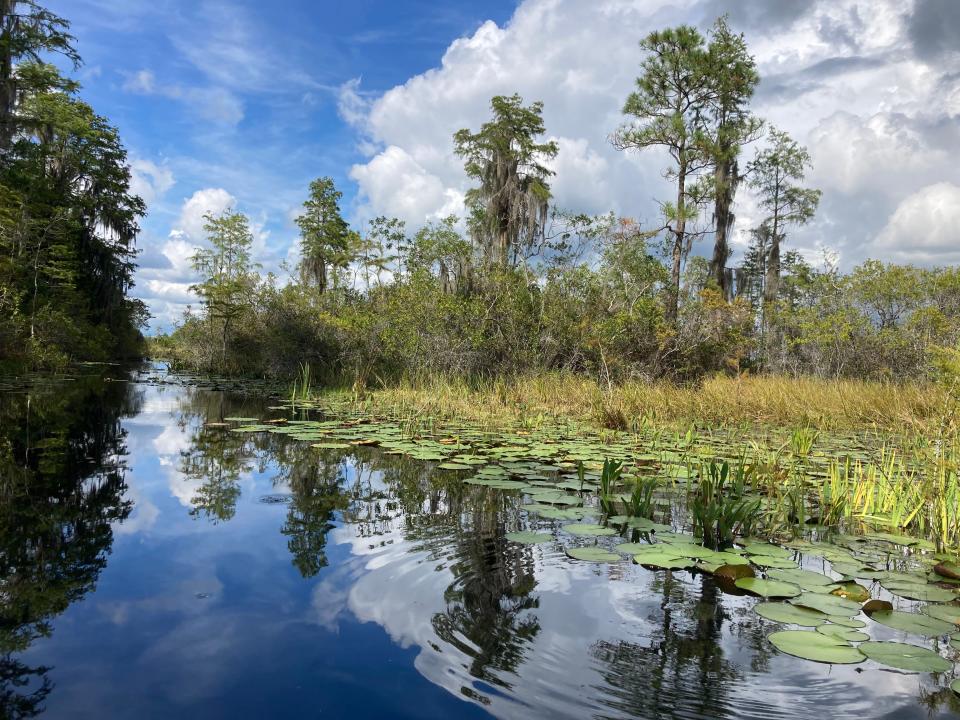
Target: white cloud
point(211, 201)
point(840, 77)
point(149, 180)
point(213, 103)
point(925, 227)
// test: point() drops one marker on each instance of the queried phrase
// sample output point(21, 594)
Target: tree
point(509, 208)
point(27, 32)
point(774, 173)
point(670, 103)
point(325, 237)
point(227, 269)
point(734, 76)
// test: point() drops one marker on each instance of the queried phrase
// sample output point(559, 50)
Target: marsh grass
point(812, 404)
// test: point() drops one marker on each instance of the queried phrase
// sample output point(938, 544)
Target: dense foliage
point(68, 219)
point(518, 286)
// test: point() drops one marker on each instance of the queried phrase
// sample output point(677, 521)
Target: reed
point(718, 401)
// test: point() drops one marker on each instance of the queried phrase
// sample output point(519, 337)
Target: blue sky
point(242, 103)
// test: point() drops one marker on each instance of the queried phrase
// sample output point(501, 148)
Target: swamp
point(218, 550)
point(517, 359)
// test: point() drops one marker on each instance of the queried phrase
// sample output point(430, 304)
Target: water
point(153, 566)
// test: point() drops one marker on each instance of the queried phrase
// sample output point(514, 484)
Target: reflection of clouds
point(329, 599)
point(171, 441)
point(580, 605)
point(144, 514)
point(181, 598)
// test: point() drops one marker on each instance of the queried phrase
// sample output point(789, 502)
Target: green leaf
point(786, 613)
point(914, 623)
point(593, 553)
point(528, 538)
point(811, 645)
point(768, 588)
point(947, 613)
point(905, 657)
point(589, 529)
point(829, 604)
point(842, 633)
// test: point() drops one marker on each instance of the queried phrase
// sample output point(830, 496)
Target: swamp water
point(167, 552)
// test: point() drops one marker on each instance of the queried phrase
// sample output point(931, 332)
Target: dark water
point(155, 567)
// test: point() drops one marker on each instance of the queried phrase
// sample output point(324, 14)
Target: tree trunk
point(7, 85)
point(724, 178)
point(673, 297)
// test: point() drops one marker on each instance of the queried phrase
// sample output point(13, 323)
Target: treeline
point(68, 219)
point(519, 286)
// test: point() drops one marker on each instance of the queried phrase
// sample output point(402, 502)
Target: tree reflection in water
point(62, 484)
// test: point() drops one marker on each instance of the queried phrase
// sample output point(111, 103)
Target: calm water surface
point(155, 566)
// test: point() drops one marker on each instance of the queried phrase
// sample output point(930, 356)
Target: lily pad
point(947, 613)
point(806, 579)
point(768, 588)
point(589, 529)
point(917, 591)
point(528, 538)
point(594, 553)
point(842, 633)
point(915, 623)
point(905, 657)
point(829, 604)
point(852, 591)
point(811, 645)
point(786, 613)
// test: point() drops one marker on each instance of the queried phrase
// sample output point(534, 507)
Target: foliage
point(509, 208)
point(720, 508)
point(68, 219)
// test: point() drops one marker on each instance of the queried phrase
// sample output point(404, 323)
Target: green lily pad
point(633, 548)
point(811, 645)
point(829, 604)
point(589, 529)
point(528, 538)
point(905, 657)
point(842, 633)
point(917, 591)
point(947, 613)
point(773, 561)
point(847, 622)
point(786, 613)
point(914, 623)
point(768, 588)
point(851, 591)
point(955, 686)
point(665, 559)
point(806, 579)
point(593, 553)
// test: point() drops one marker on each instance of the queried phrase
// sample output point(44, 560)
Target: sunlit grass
point(718, 401)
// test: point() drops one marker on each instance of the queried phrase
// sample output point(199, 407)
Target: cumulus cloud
point(925, 226)
point(842, 77)
point(149, 180)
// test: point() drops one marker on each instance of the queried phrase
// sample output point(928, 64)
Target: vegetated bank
point(532, 304)
point(68, 216)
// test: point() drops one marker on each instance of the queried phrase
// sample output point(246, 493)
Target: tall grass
point(718, 401)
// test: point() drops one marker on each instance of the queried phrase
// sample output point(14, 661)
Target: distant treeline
point(68, 219)
point(518, 286)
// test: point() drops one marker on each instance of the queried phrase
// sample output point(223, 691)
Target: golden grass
point(718, 401)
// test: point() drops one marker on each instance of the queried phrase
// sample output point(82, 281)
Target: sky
point(240, 104)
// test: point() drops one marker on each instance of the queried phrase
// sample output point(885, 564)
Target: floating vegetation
point(905, 657)
point(812, 645)
point(809, 526)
